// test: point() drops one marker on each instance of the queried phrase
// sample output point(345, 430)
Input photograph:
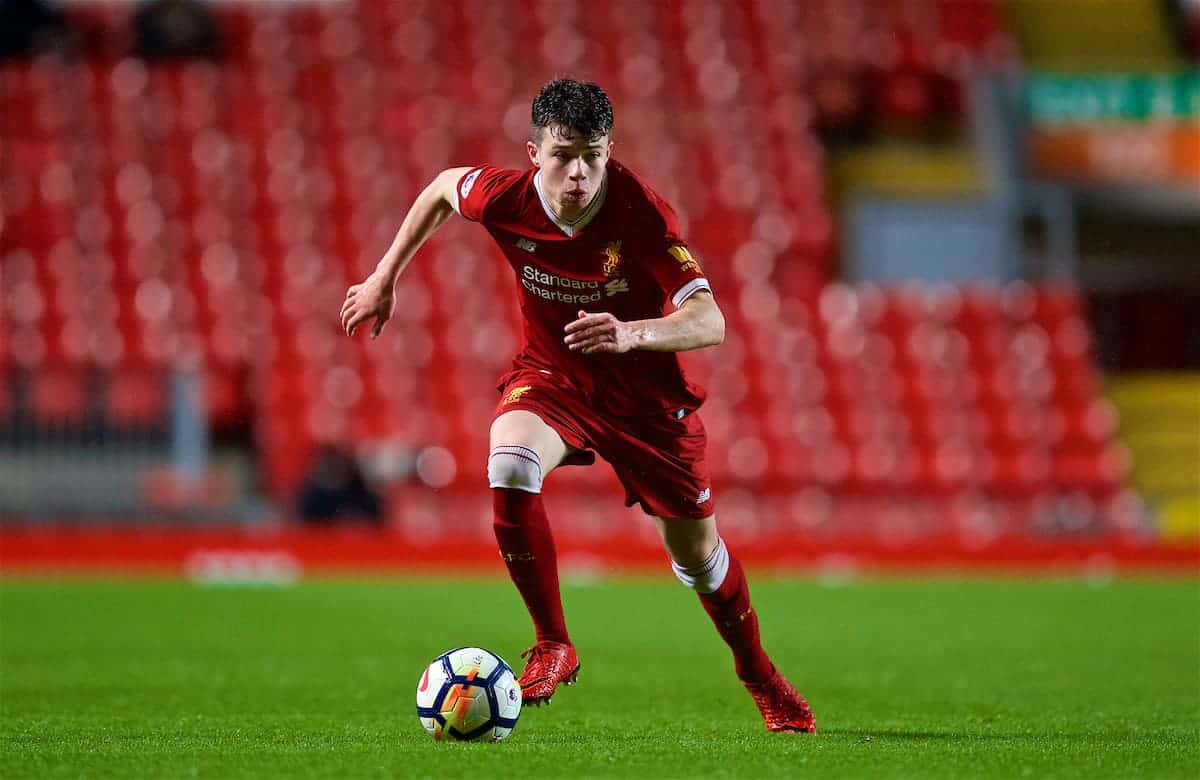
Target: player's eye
point(593, 155)
point(561, 155)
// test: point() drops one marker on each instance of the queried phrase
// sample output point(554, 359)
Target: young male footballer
point(598, 259)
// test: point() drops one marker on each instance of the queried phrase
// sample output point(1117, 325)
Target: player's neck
point(570, 212)
point(568, 215)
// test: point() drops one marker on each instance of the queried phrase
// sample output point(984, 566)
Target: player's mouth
point(575, 194)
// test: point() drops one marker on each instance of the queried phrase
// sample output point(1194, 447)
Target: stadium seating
point(214, 213)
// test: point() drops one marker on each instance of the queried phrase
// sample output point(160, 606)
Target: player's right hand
point(371, 299)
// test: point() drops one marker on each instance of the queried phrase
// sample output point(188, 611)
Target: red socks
point(736, 622)
point(527, 547)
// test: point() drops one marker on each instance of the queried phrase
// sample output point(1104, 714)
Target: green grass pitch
point(921, 678)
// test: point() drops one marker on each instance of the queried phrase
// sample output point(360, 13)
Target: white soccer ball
point(468, 693)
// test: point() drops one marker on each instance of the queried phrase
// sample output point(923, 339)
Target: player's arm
point(374, 297)
point(697, 323)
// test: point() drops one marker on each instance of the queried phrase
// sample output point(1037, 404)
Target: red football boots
point(782, 707)
point(549, 664)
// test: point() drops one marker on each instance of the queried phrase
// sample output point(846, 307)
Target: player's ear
point(532, 149)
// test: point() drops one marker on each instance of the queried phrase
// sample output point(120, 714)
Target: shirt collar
point(580, 222)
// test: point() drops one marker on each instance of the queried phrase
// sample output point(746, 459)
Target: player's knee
point(516, 468)
point(706, 576)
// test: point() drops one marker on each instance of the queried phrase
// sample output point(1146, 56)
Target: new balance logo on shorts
point(704, 495)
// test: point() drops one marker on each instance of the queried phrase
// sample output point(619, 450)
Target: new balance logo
point(616, 286)
point(525, 245)
point(704, 495)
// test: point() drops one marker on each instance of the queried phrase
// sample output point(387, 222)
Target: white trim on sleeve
point(454, 200)
point(688, 290)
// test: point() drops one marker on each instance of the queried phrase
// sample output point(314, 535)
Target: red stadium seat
point(137, 396)
point(7, 401)
point(59, 395)
point(236, 213)
point(1099, 472)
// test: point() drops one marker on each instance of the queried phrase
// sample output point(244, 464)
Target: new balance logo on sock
point(704, 495)
point(517, 557)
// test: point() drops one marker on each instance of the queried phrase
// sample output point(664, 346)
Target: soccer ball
point(468, 693)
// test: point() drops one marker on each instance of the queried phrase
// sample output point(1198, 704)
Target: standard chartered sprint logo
point(565, 289)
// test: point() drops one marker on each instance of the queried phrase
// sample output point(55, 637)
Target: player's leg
point(523, 450)
point(702, 561)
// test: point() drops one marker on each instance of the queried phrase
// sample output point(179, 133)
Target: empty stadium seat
point(58, 395)
point(136, 396)
point(218, 210)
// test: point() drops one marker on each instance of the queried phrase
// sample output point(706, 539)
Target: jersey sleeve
point(671, 263)
point(478, 188)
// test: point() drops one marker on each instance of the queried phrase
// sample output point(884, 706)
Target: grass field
point(937, 678)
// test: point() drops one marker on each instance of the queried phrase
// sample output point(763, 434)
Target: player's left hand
point(373, 299)
point(600, 332)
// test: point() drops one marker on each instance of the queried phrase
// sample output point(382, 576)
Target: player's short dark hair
point(581, 106)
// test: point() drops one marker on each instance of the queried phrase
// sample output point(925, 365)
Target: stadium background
point(955, 245)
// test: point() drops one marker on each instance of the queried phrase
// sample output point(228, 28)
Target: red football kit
point(622, 255)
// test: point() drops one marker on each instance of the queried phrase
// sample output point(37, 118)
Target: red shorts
point(659, 459)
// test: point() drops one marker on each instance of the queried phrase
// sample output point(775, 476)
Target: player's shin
point(725, 595)
point(525, 540)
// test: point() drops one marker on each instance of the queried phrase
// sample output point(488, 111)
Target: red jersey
point(623, 255)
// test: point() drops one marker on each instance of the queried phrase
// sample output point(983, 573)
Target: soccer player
point(598, 257)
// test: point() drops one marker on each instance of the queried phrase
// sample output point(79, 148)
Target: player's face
point(572, 167)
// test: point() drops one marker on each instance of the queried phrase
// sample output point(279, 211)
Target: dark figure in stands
point(30, 27)
point(335, 491)
point(176, 29)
